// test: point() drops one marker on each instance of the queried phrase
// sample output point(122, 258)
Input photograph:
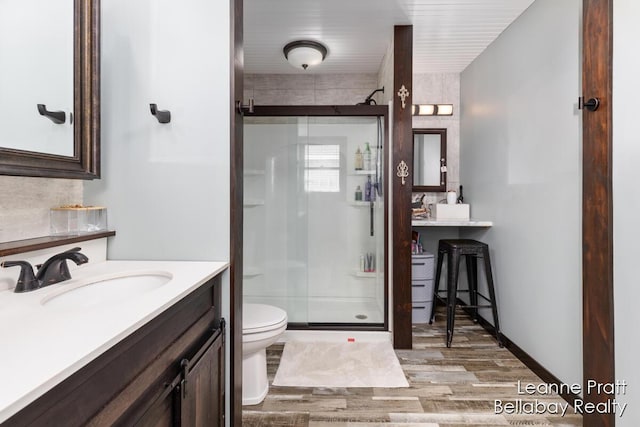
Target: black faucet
point(54, 270)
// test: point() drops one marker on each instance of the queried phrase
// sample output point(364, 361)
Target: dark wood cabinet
point(170, 372)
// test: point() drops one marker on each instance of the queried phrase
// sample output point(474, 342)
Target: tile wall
point(308, 89)
point(25, 203)
point(434, 88)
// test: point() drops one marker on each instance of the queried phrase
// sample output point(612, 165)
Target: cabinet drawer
point(422, 267)
point(422, 290)
point(421, 312)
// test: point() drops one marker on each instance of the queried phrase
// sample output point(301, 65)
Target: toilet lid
point(259, 317)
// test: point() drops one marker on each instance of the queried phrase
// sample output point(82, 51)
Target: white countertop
point(43, 345)
point(450, 223)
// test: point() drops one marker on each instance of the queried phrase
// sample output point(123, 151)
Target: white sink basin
point(108, 289)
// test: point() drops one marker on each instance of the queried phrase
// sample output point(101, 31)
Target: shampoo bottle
point(367, 156)
point(359, 162)
point(358, 194)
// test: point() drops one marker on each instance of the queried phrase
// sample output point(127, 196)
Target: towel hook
point(57, 117)
point(163, 116)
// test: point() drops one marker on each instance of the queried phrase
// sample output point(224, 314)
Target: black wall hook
point(57, 117)
point(163, 116)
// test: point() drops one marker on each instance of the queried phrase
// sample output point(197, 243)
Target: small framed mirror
point(429, 160)
point(51, 72)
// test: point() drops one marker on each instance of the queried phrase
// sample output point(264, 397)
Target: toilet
point(262, 325)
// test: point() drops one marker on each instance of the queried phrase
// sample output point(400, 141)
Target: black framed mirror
point(80, 158)
point(430, 160)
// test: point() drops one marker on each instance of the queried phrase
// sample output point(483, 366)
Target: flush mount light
point(304, 53)
point(432, 109)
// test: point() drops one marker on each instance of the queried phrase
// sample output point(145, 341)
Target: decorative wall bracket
point(403, 93)
point(163, 116)
point(402, 171)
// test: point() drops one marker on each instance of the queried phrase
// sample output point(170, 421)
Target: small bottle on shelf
point(359, 161)
point(367, 156)
point(358, 194)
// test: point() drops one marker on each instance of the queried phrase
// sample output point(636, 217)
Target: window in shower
point(322, 164)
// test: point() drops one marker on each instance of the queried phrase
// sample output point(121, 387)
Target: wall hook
point(163, 116)
point(592, 104)
point(57, 117)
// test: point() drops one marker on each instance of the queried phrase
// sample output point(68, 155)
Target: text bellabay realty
point(536, 406)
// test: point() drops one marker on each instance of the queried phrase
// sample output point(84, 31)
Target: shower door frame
point(337, 111)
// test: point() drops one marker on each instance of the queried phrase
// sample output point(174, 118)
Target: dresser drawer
point(422, 266)
point(421, 312)
point(422, 290)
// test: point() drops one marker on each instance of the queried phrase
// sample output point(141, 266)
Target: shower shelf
point(363, 172)
point(253, 172)
point(249, 203)
point(359, 204)
point(252, 272)
point(364, 275)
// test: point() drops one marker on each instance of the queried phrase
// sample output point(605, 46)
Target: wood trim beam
point(597, 207)
point(236, 215)
point(402, 152)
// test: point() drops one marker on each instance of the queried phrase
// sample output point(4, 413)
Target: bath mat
point(344, 364)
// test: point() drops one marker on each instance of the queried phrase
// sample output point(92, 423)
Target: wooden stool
point(471, 250)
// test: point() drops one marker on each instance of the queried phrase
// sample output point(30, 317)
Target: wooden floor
point(448, 387)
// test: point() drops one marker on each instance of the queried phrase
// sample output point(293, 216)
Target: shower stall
point(315, 208)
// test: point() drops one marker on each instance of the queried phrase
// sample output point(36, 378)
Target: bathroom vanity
point(152, 355)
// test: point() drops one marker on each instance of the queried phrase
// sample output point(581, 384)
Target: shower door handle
point(371, 218)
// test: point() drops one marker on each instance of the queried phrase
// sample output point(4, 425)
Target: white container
point(77, 220)
point(458, 212)
point(452, 198)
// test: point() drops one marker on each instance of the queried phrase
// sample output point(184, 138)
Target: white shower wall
point(302, 246)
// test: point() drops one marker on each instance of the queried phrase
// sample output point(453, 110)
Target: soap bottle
point(358, 194)
point(367, 189)
point(367, 156)
point(359, 160)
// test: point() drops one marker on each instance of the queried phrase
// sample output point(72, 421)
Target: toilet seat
point(258, 318)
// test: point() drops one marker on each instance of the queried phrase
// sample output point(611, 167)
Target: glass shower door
point(314, 218)
point(345, 221)
point(275, 214)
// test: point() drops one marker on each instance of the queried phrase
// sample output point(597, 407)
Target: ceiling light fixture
point(432, 109)
point(304, 53)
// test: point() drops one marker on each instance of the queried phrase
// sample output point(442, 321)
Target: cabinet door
point(201, 392)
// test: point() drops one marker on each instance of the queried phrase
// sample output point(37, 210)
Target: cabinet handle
point(418, 263)
point(184, 371)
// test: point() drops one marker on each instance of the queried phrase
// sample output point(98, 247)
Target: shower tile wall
point(309, 89)
point(434, 88)
point(25, 203)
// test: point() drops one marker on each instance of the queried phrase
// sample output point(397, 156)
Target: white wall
point(166, 187)
point(521, 168)
point(626, 202)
